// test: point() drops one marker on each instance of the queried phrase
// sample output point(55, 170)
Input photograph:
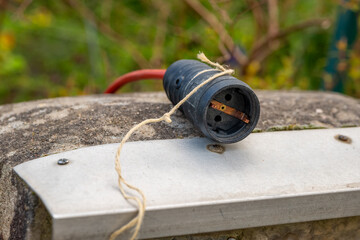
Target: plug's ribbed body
point(180, 78)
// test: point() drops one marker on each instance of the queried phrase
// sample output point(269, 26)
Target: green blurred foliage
point(51, 48)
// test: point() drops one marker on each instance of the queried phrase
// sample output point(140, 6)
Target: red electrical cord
point(135, 76)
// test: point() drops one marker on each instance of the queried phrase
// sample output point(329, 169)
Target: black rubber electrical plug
point(225, 110)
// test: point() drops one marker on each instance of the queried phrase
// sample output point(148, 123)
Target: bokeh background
point(74, 47)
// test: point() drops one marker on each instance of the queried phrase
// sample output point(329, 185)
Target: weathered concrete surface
point(34, 129)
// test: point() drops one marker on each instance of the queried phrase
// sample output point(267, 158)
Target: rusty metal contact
point(229, 110)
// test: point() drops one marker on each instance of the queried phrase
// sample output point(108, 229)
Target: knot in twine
point(166, 117)
point(141, 201)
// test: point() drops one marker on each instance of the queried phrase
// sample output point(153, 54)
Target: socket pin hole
point(178, 83)
point(217, 118)
point(228, 97)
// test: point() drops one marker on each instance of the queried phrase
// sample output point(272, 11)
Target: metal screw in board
point(216, 148)
point(63, 161)
point(343, 138)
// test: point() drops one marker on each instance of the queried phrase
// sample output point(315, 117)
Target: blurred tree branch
point(262, 48)
point(3, 4)
point(258, 4)
point(273, 17)
point(110, 32)
point(273, 26)
point(20, 11)
point(223, 14)
point(219, 28)
point(106, 7)
point(259, 17)
point(158, 48)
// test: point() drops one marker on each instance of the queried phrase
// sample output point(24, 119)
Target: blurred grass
point(50, 49)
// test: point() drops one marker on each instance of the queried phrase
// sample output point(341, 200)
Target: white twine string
point(141, 201)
